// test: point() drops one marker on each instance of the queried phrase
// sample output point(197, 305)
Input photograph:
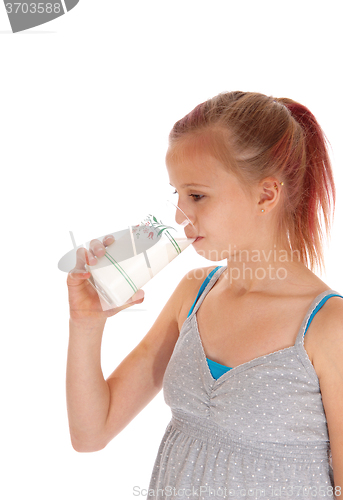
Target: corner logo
point(26, 15)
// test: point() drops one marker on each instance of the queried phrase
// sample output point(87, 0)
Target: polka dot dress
point(257, 431)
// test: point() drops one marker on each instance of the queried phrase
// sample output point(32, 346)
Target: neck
point(262, 270)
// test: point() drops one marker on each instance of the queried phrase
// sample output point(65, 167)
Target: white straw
point(72, 239)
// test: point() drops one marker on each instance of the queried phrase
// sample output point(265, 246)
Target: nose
point(180, 217)
point(183, 220)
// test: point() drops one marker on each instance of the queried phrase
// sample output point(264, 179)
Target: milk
point(116, 281)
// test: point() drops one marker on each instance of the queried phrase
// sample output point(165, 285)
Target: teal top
point(216, 369)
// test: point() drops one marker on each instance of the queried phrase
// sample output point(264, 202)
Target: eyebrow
point(191, 185)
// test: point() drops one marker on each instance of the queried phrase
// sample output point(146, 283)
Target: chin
point(213, 254)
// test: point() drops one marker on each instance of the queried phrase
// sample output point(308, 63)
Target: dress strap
point(316, 305)
point(202, 288)
point(319, 306)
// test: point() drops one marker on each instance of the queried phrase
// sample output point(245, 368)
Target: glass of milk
point(139, 253)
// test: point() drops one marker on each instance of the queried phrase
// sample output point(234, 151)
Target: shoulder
point(328, 346)
point(329, 334)
point(190, 286)
point(194, 279)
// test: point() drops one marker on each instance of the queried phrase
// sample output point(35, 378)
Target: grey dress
point(258, 431)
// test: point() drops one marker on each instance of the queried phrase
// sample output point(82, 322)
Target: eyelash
point(194, 199)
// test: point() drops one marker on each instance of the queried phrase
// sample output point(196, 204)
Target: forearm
point(87, 391)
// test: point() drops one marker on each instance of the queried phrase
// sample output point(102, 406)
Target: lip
point(198, 238)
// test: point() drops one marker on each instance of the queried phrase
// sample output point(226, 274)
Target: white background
point(87, 102)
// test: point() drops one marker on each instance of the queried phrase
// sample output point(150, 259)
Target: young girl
point(249, 354)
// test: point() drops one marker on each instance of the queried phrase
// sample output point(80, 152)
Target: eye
point(196, 197)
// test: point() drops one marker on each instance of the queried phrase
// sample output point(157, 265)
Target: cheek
point(241, 212)
point(228, 214)
point(231, 222)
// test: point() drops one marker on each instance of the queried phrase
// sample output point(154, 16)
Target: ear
point(268, 194)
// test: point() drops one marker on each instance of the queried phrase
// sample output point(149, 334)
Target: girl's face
point(220, 210)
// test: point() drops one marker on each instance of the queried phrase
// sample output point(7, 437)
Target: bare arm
point(328, 360)
point(99, 409)
point(87, 392)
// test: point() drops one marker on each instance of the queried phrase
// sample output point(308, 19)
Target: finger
point(77, 275)
point(108, 240)
point(82, 258)
point(97, 248)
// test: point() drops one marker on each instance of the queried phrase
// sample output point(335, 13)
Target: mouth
point(198, 238)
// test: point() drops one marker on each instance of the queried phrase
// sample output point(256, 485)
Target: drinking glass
point(139, 253)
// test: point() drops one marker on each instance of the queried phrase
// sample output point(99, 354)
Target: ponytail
point(316, 187)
